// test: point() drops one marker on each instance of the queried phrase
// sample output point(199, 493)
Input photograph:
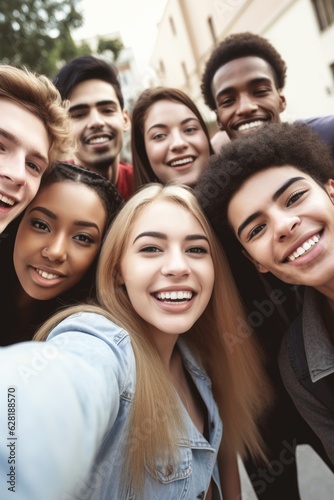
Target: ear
point(119, 278)
point(282, 102)
point(126, 118)
point(329, 186)
point(258, 266)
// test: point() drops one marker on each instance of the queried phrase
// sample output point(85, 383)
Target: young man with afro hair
point(278, 205)
point(243, 83)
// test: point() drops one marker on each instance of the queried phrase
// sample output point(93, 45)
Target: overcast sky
point(136, 20)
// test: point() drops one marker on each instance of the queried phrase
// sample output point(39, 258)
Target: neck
point(109, 170)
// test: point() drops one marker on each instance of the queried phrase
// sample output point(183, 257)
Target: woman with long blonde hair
point(131, 400)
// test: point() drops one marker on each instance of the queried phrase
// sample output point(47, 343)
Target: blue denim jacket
point(71, 435)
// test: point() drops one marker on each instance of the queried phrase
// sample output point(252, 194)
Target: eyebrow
point(98, 104)
point(274, 197)
point(12, 138)
point(53, 216)
point(162, 236)
point(183, 122)
point(255, 81)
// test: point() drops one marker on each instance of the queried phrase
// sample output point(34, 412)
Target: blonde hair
point(38, 95)
point(230, 358)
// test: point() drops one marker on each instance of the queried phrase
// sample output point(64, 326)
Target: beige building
point(301, 30)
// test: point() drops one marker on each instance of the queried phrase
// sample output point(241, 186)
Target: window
point(325, 12)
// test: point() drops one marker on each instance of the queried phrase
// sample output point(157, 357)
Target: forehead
point(256, 193)
point(240, 71)
point(17, 120)
point(77, 199)
point(92, 91)
point(161, 216)
point(166, 111)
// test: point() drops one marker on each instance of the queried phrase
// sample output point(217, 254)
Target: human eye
point(198, 250)
point(225, 102)
point(78, 114)
point(108, 110)
point(33, 166)
point(255, 231)
point(40, 225)
point(159, 136)
point(295, 196)
point(84, 238)
point(191, 129)
point(262, 91)
point(150, 249)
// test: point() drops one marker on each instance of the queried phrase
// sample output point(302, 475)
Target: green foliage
point(37, 33)
point(115, 46)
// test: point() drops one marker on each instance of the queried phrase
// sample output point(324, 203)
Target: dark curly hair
point(236, 46)
point(274, 145)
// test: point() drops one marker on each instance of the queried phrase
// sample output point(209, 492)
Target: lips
point(97, 139)
point(47, 275)
point(180, 162)
point(303, 248)
point(7, 201)
point(250, 125)
point(174, 295)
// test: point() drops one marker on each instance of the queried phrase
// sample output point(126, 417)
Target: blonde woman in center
point(151, 393)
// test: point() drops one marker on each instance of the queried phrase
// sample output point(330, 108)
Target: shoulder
point(323, 126)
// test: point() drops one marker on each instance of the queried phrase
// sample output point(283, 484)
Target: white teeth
point(98, 140)
point(247, 126)
point(6, 200)
point(174, 295)
point(304, 248)
point(181, 162)
point(46, 275)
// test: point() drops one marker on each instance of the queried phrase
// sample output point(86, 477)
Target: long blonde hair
point(220, 339)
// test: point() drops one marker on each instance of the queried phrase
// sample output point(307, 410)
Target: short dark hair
point(234, 47)
point(84, 68)
point(274, 145)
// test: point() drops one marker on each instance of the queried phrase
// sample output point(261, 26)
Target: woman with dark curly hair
point(49, 259)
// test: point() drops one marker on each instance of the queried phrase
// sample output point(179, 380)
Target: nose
point(175, 264)
point(285, 226)
point(95, 119)
point(13, 169)
point(246, 104)
point(177, 141)
point(55, 249)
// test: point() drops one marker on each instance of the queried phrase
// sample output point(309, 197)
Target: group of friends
point(164, 318)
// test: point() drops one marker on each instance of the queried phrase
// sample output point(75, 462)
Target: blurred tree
point(37, 33)
point(115, 46)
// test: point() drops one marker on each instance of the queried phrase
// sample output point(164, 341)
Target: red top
point(125, 179)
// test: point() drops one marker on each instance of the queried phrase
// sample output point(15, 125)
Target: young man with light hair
point(34, 132)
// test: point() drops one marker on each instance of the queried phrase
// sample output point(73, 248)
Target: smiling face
point(56, 243)
point(167, 268)
point(289, 230)
point(98, 124)
point(175, 143)
point(24, 150)
point(246, 96)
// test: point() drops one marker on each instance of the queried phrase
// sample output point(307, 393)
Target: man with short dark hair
point(243, 82)
point(98, 116)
